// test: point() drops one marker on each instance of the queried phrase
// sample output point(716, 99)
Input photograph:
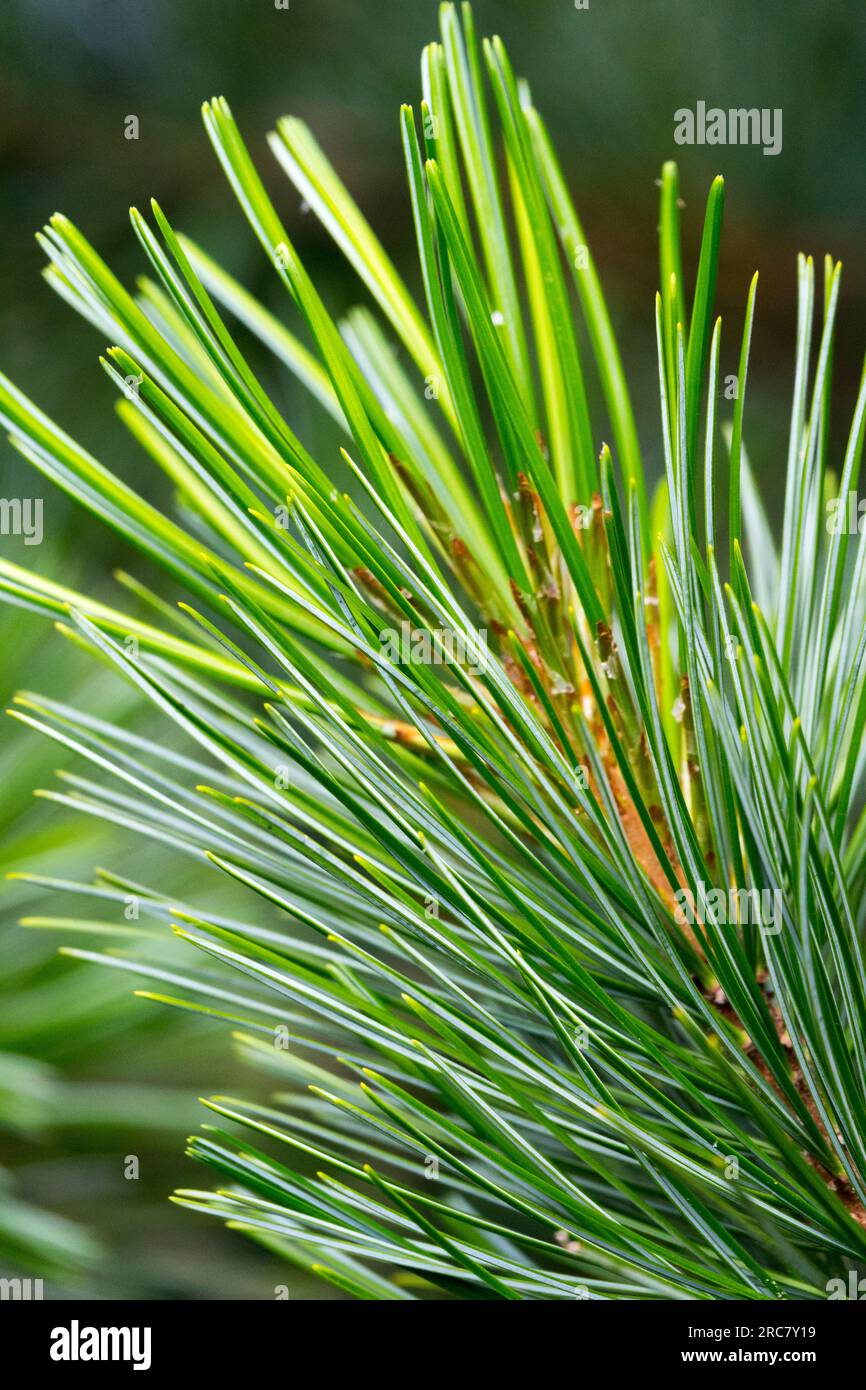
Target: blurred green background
point(608, 79)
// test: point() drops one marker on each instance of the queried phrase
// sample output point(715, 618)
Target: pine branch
point(551, 823)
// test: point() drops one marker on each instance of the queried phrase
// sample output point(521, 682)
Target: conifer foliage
point(543, 785)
